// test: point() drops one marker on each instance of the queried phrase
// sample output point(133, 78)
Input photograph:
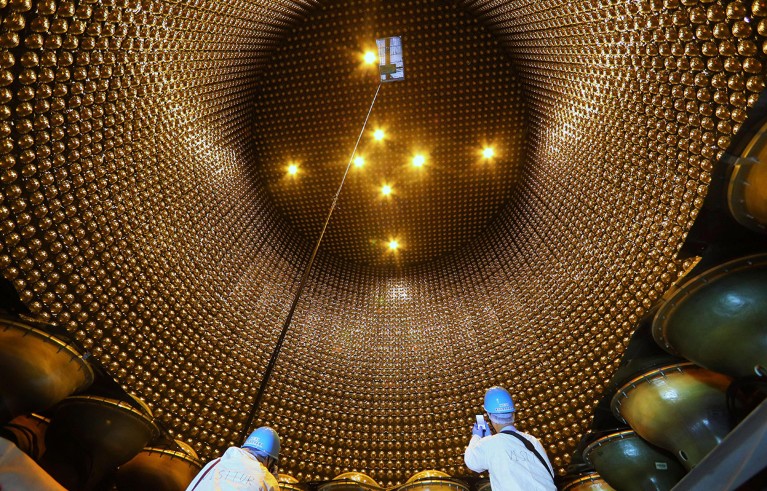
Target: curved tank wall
point(134, 214)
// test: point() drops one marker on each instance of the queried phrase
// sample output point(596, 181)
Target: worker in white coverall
point(247, 468)
point(515, 461)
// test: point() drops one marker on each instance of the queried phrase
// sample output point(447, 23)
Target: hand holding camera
point(481, 428)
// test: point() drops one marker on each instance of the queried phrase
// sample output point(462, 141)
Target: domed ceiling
point(146, 209)
point(460, 96)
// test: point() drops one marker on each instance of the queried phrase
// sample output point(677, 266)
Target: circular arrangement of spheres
point(135, 213)
point(460, 95)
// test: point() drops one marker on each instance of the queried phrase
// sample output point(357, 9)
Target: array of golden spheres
point(130, 216)
point(105, 192)
point(461, 92)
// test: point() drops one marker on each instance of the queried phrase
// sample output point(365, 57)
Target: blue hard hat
point(498, 401)
point(265, 440)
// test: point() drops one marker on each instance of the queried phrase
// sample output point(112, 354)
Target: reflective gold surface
point(587, 482)
point(351, 481)
point(427, 474)
point(747, 190)
point(37, 370)
point(134, 212)
point(681, 408)
point(158, 469)
point(433, 481)
point(289, 483)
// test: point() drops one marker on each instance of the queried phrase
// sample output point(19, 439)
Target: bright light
point(419, 160)
point(359, 161)
point(488, 152)
point(393, 245)
point(292, 169)
point(370, 57)
point(379, 134)
point(386, 190)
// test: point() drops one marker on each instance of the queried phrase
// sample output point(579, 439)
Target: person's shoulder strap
point(210, 468)
point(528, 444)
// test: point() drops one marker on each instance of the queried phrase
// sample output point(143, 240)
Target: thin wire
point(304, 278)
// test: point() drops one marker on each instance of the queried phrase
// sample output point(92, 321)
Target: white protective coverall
point(512, 467)
point(18, 472)
point(237, 469)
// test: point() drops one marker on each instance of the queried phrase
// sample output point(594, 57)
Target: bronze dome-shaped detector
point(681, 408)
point(160, 468)
point(717, 319)
point(747, 190)
point(627, 462)
point(433, 480)
point(289, 483)
point(37, 369)
point(591, 481)
point(351, 481)
point(90, 436)
point(427, 474)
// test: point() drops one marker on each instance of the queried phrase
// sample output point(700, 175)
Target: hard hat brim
point(500, 412)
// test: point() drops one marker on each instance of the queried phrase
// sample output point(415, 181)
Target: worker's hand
point(476, 430)
point(480, 432)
